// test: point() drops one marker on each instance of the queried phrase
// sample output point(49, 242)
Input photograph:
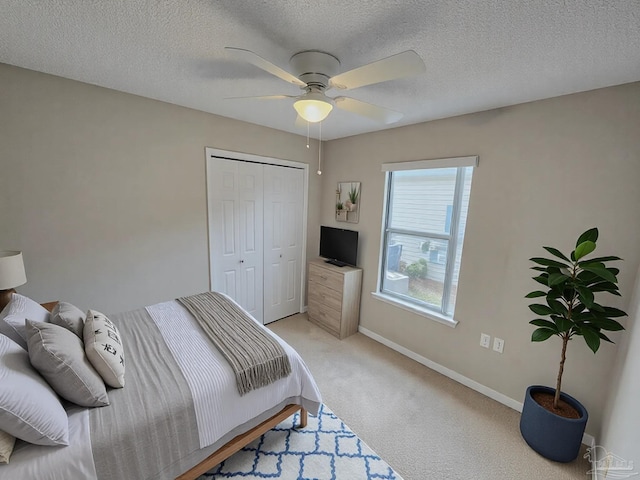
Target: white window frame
point(388, 168)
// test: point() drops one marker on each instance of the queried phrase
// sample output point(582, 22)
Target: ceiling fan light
point(313, 110)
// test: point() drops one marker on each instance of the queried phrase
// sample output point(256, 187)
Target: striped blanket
point(256, 358)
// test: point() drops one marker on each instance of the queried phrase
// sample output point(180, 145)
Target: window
point(424, 223)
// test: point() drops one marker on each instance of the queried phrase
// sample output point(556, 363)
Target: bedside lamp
point(11, 275)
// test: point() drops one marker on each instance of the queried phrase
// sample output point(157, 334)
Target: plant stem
point(565, 341)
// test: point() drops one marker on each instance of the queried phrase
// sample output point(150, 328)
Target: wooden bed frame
point(237, 443)
point(243, 440)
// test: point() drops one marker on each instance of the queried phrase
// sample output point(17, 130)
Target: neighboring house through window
point(423, 231)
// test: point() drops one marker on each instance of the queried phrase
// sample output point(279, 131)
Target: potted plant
point(341, 213)
point(552, 422)
point(352, 201)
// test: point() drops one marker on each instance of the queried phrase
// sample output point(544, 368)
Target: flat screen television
point(338, 246)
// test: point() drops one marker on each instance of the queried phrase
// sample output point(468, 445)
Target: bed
point(179, 414)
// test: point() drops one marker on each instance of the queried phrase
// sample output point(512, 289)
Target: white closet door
point(283, 201)
point(236, 232)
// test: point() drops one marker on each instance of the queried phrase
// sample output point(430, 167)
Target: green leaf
point(607, 324)
point(540, 309)
point(587, 277)
point(601, 271)
point(539, 322)
point(612, 292)
point(563, 324)
point(541, 334)
point(585, 248)
point(590, 235)
point(578, 309)
point(535, 294)
point(586, 295)
point(601, 259)
point(539, 269)
point(547, 262)
point(591, 337)
point(603, 286)
point(614, 312)
point(557, 279)
point(604, 337)
point(557, 306)
point(556, 252)
point(542, 279)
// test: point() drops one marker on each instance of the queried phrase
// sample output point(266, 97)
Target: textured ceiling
point(479, 54)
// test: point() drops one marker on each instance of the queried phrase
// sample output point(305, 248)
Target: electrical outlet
point(485, 340)
point(498, 345)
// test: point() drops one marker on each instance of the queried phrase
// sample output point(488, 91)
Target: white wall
point(548, 170)
point(105, 192)
point(621, 419)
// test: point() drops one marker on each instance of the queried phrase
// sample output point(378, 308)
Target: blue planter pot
point(552, 436)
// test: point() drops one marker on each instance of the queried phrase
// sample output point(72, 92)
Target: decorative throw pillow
point(29, 408)
point(59, 357)
point(15, 313)
point(68, 316)
point(6, 446)
point(103, 346)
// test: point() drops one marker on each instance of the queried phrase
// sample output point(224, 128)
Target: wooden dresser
point(334, 297)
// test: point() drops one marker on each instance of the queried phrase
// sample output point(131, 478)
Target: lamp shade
point(11, 270)
point(313, 107)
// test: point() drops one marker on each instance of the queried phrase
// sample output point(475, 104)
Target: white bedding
point(218, 405)
point(69, 463)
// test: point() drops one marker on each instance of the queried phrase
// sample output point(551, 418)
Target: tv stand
point(337, 263)
point(334, 297)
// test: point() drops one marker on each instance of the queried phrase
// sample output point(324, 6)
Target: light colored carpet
point(326, 449)
point(423, 424)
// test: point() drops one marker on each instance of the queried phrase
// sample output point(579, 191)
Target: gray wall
point(548, 170)
point(105, 192)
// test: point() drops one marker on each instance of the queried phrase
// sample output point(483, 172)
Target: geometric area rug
point(326, 449)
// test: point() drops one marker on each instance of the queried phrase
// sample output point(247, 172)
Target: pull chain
point(320, 149)
point(307, 134)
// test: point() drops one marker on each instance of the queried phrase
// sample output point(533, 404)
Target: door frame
point(249, 157)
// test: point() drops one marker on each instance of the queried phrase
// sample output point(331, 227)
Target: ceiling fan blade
point(396, 66)
point(258, 61)
point(368, 110)
point(263, 97)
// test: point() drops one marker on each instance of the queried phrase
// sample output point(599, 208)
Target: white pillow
point(68, 316)
point(58, 355)
point(6, 446)
point(104, 349)
point(29, 408)
point(15, 313)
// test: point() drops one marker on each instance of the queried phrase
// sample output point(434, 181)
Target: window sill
point(436, 317)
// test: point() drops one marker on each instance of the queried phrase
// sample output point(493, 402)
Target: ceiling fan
point(315, 72)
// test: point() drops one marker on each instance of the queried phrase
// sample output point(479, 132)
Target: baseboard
point(453, 375)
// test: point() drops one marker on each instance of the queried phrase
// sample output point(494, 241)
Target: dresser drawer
point(325, 277)
point(325, 296)
point(324, 315)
